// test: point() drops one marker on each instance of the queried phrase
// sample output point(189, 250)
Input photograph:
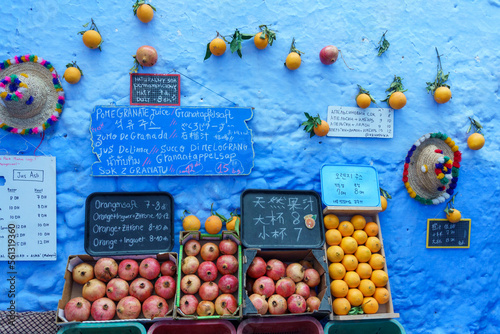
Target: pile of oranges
point(356, 266)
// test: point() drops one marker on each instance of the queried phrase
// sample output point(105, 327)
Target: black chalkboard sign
point(443, 234)
point(129, 223)
point(155, 89)
point(281, 219)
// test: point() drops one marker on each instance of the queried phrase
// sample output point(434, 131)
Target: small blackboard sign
point(281, 219)
point(129, 223)
point(443, 234)
point(155, 89)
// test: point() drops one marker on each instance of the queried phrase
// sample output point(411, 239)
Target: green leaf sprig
point(385, 194)
point(73, 64)
point(356, 310)
point(450, 206)
point(139, 3)
point(236, 39)
point(383, 45)
point(311, 123)
point(266, 32)
point(396, 86)
point(294, 49)
point(475, 125)
point(441, 78)
point(364, 91)
point(93, 26)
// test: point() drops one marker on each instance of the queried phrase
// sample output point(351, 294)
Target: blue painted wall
point(435, 291)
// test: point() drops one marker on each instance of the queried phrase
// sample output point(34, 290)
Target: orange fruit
point(92, 39)
point(397, 100)
point(331, 221)
point(442, 94)
point(367, 287)
point(341, 306)
point(379, 278)
point(336, 271)
point(191, 223)
point(377, 261)
point(333, 237)
point(360, 236)
point(145, 13)
point(260, 43)
point(363, 101)
point(352, 279)
point(381, 295)
point(72, 75)
point(217, 46)
point(373, 244)
point(454, 217)
point(350, 262)
point(346, 228)
point(339, 288)
point(213, 224)
point(383, 202)
point(335, 254)
point(363, 254)
point(371, 229)
point(293, 61)
point(355, 297)
point(349, 245)
point(322, 129)
point(358, 221)
point(364, 270)
point(231, 225)
point(475, 141)
point(370, 305)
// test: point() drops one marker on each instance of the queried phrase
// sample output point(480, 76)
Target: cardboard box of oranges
point(356, 264)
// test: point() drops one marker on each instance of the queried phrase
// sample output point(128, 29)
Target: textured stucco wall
point(435, 291)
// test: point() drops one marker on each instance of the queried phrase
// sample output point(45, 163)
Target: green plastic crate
point(103, 328)
point(364, 327)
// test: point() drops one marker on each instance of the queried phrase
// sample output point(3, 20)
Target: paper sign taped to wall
point(360, 123)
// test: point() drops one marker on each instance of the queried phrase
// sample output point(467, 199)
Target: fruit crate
point(193, 327)
point(288, 325)
point(390, 326)
point(203, 239)
point(101, 328)
point(385, 311)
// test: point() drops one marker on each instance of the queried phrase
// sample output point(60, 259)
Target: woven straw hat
point(431, 168)
point(31, 96)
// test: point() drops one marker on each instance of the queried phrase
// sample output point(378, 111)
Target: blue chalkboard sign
point(171, 141)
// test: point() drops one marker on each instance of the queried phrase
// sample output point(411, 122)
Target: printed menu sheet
point(360, 123)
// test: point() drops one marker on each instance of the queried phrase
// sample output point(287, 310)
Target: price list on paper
point(360, 123)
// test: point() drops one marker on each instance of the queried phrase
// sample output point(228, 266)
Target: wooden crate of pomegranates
point(140, 288)
point(209, 276)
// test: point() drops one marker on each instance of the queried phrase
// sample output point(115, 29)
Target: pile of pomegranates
point(275, 287)
point(122, 289)
point(209, 278)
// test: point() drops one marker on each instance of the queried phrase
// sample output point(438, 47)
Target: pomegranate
point(225, 304)
point(83, 273)
point(285, 287)
point(149, 268)
point(295, 271)
point(190, 284)
point(128, 269)
point(296, 304)
point(165, 287)
point(189, 265)
point(93, 290)
point(228, 247)
point(264, 286)
point(277, 304)
point(205, 309)
point(209, 251)
point(209, 291)
point(154, 307)
point(105, 269)
point(103, 309)
point(260, 303)
point(302, 289)
point(207, 271)
point(146, 56)
point(228, 284)
point(192, 247)
point(128, 308)
point(311, 277)
point(257, 268)
point(141, 289)
point(77, 309)
point(313, 304)
point(116, 289)
point(275, 269)
point(306, 264)
point(188, 304)
point(329, 54)
point(227, 264)
point(168, 268)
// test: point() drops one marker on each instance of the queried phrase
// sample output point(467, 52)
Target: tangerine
point(379, 278)
point(358, 221)
point(373, 244)
point(442, 94)
point(72, 75)
point(454, 217)
point(475, 141)
point(371, 229)
point(349, 245)
point(370, 305)
point(213, 224)
point(260, 43)
point(383, 203)
point(364, 270)
point(334, 254)
point(341, 306)
point(231, 224)
point(381, 295)
point(355, 297)
point(293, 61)
point(92, 39)
point(322, 129)
point(367, 287)
point(363, 101)
point(350, 262)
point(191, 223)
point(145, 13)
point(377, 261)
point(360, 236)
point(346, 228)
point(352, 279)
point(331, 221)
point(339, 288)
point(397, 100)
point(217, 46)
point(363, 254)
point(333, 237)
point(336, 271)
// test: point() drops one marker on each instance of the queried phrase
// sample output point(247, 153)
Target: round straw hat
point(31, 96)
point(431, 168)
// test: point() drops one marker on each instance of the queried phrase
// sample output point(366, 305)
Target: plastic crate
point(366, 326)
point(284, 325)
point(103, 328)
point(192, 327)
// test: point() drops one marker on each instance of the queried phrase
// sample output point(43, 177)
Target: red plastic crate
point(284, 325)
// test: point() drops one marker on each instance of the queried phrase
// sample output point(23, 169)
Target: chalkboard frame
point(131, 195)
point(428, 238)
point(287, 192)
point(132, 75)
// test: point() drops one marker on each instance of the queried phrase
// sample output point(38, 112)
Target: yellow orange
point(191, 223)
point(371, 229)
point(442, 94)
point(213, 224)
point(349, 245)
point(379, 278)
point(336, 271)
point(363, 101)
point(374, 244)
point(92, 39)
point(339, 288)
point(360, 236)
point(377, 261)
point(335, 254)
point(383, 202)
point(293, 61)
point(350, 262)
point(72, 75)
point(358, 221)
point(364, 270)
point(145, 13)
point(322, 129)
point(333, 237)
point(346, 228)
point(217, 46)
point(370, 305)
point(341, 306)
point(260, 43)
point(352, 279)
point(363, 254)
point(355, 297)
point(381, 295)
point(475, 141)
point(367, 287)
point(397, 100)
point(331, 221)
point(454, 217)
